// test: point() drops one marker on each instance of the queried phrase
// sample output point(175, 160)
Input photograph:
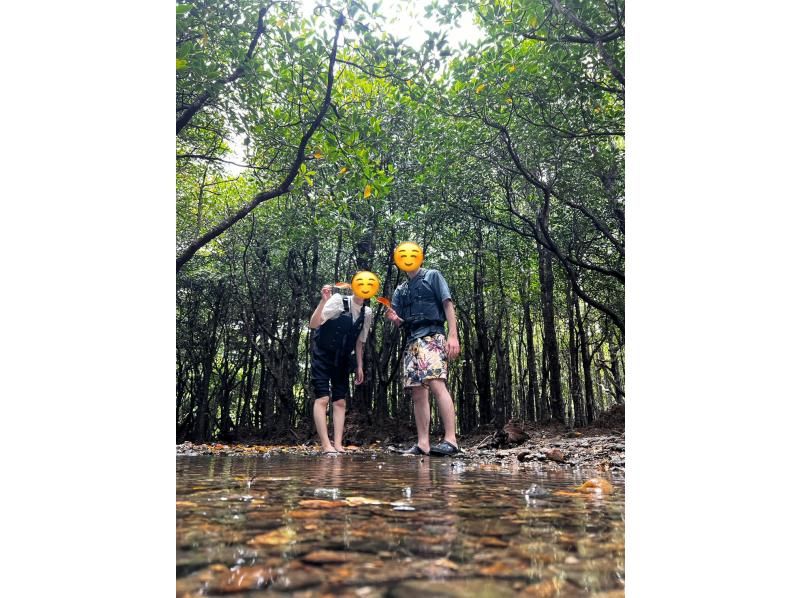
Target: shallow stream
point(380, 525)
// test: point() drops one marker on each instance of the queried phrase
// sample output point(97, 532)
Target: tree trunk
point(483, 351)
point(532, 385)
point(587, 367)
point(550, 339)
point(466, 396)
point(574, 376)
point(617, 386)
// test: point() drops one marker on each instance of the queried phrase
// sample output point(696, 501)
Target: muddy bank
point(600, 445)
point(597, 447)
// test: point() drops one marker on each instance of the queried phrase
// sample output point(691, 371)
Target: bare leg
point(447, 410)
point(422, 416)
point(321, 422)
point(338, 424)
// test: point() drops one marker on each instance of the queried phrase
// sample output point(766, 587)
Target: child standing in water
point(340, 324)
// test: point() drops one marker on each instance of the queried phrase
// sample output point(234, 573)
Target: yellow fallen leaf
point(317, 155)
point(596, 485)
point(367, 191)
point(357, 501)
point(480, 88)
point(509, 101)
point(343, 169)
point(277, 537)
point(512, 68)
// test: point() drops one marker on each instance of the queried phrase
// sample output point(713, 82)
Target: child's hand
point(359, 376)
point(326, 291)
point(393, 317)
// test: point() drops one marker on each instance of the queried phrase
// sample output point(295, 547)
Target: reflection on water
point(385, 525)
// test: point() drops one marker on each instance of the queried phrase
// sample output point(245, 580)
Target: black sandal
point(445, 449)
point(415, 450)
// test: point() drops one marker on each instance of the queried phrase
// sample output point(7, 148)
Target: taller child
point(422, 305)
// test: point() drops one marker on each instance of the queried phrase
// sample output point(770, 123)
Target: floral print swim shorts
point(424, 359)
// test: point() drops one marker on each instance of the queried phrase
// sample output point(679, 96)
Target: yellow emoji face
point(365, 284)
point(408, 256)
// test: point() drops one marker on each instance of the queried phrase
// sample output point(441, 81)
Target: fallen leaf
point(326, 557)
point(596, 485)
point(306, 513)
point(492, 542)
point(446, 563)
point(277, 537)
point(501, 569)
point(241, 579)
point(317, 155)
point(343, 169)
point(545, 589)
point(315, 503)
point(367, 191)
point(357, 501)
point(480, 88)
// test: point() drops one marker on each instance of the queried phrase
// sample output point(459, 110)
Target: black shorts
point(330, 379)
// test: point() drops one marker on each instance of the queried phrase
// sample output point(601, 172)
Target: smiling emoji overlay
point(408, 256)
point(365, 284)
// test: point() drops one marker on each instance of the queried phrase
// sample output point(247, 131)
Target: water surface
point(373, 525)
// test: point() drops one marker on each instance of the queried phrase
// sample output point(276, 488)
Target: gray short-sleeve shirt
point(440, 289)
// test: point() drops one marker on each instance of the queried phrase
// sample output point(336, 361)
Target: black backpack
point(337, 337)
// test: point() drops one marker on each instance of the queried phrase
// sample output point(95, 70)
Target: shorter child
point(340, 324)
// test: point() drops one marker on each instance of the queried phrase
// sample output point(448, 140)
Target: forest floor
point(600, 445)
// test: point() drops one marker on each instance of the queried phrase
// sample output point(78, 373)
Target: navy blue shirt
point(440, 289)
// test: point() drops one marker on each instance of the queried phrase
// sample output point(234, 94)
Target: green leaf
point(182, 9)
point(181, 64)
